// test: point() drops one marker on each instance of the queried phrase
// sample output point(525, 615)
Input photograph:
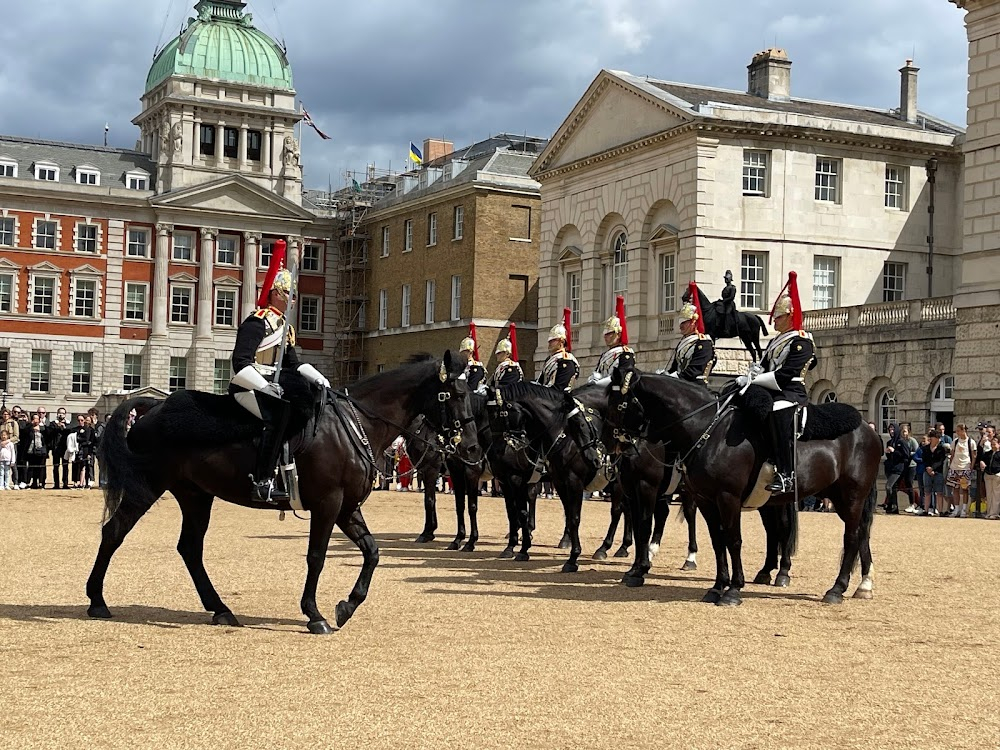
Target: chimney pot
point(908, 92)
point(769, 75)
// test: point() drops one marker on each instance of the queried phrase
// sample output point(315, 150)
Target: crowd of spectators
point(29, 440)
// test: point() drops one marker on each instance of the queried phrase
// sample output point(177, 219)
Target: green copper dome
point(222, 44)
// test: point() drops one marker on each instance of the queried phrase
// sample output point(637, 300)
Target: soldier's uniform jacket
point(475, 373)
point(508, 372)
point(560, 371)
point(608, 361)
point(789, 356)
point(694, 358)
point(258, 341)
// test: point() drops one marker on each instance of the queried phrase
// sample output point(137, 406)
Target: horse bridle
point(452, 433)
point(587, 416)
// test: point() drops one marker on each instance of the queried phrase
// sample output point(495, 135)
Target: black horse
point(723, 455)
point(749, 328)
point(336, 464)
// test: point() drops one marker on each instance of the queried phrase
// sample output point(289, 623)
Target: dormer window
point(8, 167)
point(137, 180)
point(88, 175)
point(47, 171)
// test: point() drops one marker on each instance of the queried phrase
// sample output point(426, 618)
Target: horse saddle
point(815, 421)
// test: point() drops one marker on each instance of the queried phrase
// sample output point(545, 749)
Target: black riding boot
point(268, 451)
point(782, 437)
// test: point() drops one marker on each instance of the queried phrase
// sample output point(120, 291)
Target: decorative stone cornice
point(209, 234)
point(164, 229)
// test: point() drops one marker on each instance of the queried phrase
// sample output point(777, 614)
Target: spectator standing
point(906, 481)
point(979, 499)
point(23, 429)
point(9, 425)
point(84, 441)
point(991, 473)
point(59, 430)
point(935, 457)
point(961, 471)
point(8, 455)
point(897, 464)
point(98, 424)
point(37, 453)
point(918, 474)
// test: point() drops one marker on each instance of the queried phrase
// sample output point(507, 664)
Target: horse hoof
point(226, 618)
point(712, 596)
point(99, 612)
point(344, 613)
point(601, 554)
point(469, 547)
point(453, 546)
point(633, 582)
point(731, 598)
point(782, 580)
point(689, 565)
point(521, 557)
point(570, 567)
point(763, 578)
point(564, 543)
point(833, 597)
point(863, 594)
point(622, 551)
point(507, 554)
point(320, 627)
point(424, 538)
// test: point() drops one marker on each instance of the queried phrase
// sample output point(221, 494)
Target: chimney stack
point(908, 92)
point(435, 148)
point(769, 75)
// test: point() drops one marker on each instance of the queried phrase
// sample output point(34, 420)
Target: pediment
point(664, 233)
point(570, 253)
point(45, 266)
point(87, 270)
point(183, 278)
point(612, 113)
point(5, 263)
point(227, 281)
point(232, 196)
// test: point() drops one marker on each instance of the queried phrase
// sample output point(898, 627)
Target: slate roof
point(112, 163)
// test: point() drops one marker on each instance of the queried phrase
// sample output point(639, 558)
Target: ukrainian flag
point(415, 155)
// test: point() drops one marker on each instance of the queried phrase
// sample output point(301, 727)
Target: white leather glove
point(755, 370)
point(673, 375)
point(313, 375)
point(273, 389)
point(594, 377)
point(742, 381)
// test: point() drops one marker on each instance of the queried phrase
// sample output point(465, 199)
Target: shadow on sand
point(135, 614)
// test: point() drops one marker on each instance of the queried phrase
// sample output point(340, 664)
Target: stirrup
point(264, 492)
point(781, 483)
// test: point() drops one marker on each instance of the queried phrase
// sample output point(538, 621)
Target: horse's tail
point(763, 327)
point(868, 512)
point(126, 482)
point(792, 519)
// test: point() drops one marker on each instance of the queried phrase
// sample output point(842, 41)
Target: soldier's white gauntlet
point(313, 375)
point(250, 379)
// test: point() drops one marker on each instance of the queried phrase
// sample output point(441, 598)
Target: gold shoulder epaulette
point(260, 312)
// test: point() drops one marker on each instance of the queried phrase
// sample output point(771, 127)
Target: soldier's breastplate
point(266, 358)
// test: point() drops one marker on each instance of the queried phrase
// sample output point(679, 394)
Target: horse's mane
point(413, 361)
point(542, 392)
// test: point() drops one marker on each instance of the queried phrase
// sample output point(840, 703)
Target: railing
point(931, 310)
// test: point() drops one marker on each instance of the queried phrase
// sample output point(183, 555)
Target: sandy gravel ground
point(460, 650)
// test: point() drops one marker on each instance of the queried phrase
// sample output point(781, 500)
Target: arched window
point(828, 398)
point(886, 405)
point(619, 267)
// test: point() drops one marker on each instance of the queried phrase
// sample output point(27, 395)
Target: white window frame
point(755, 171)
point(432, 229)
point(456, 297)
point(385, 243)
point(404, 312)
point(217, 307)
point(895, 187)
point(886, 408)
point(619, 266)
point(180, 286)
point(430, 292)
point(310, 300)
point(40, 356)
point(222, 373)
point(137, 231)
point(126, 373)
point(87, 384)
point(266, 251)
point(8, 165)
point(46, 171)
point(37, 276)
point(37, 235)
point(827, 182)
point(408, 235)
point(893, 281)
point(753, 280)
point(79, 239)
point(236, 250)
point(86, 175)
point(826, 282)
point(174, 248)
point(312, 258)
point(176, 364)
point(137, 180)
point(75, 282)
point(458, 216)
point(13, 231)
point(574, 292)
point(383, 309)
point(8, 300)
point(667, 266)
point(135, 287)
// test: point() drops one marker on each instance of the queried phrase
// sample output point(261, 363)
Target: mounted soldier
point(508, 369)
point(616, 339)
point(782, 370)
point(475, 370)
point(266, 364)
point(694, 356)
point(725, 308)
point(561, 369)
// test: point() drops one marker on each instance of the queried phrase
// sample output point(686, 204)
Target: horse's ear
point(447, 362)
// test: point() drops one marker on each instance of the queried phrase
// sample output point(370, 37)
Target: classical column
point(160, 273)
point(205, 304)
point(242, 153)
point(196, 142)
point(265, 157)
point(220, 134)
point(251, 249)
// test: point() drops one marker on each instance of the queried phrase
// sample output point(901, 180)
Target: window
point(459, 222)
point(754, 172)
point(456, 297)
point(7, 231)
point(225, 250)
point(230, 143)
point(135, 302)
point(225, 307)
point(668, 282)
point(85, 298)
point(830, 397)
point(362, 319)
point(383, 311)
point(254, 140)
point(178, 373)
point(8, 169)
point(404, 319)
point(619, 267)
point(180, 304)
point(432, 229)
point(309, 315)
point(827, 180)
point(133, 372)
point(4, 369)
point(385, 242)
point(183, 246)
point(6, 292)
point(82, 364)
point(41, 363)
point(86, 238)
point(895, 187)
point(312, 258)
point(45, 234)
point(222, 373)
point(886, 409)
point(208, 140)
point(429, 292)
point(521, 223)
point(47, 172)
point(407, 235)
point(137, 182)
point(573, 297)
point(752, 278)
point(266, 251)
point(893, 282)
point(138, 243)
point(825, 282)
point(88, 177)
point(43, 295)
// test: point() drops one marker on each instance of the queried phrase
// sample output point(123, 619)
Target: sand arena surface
point(464, 650)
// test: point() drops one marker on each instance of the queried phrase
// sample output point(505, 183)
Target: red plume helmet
point(620, 314)
point(512, 335)
point(567, 315)
point(792, 285)
point(475, 341)
point(696, 301)
point(276, 264)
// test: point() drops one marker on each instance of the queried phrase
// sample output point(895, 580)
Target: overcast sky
point(376, 74)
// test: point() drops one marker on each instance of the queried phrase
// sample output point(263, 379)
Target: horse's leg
point(459, 488)
point(430, 508)
point(509, 506)
point(691, 516)
point(730, 510)
point(320, 529)
point(661, 512)
point(627, 533)
point(713, 519)
point(864, 590)
point(572, 507)
point(113, 533)
point(641, 506)
point(771, 523)
point(472, 488)
point(357, 531)
point(196, 512)
point(524, 517)
point(787, 543)
point(617, 508)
